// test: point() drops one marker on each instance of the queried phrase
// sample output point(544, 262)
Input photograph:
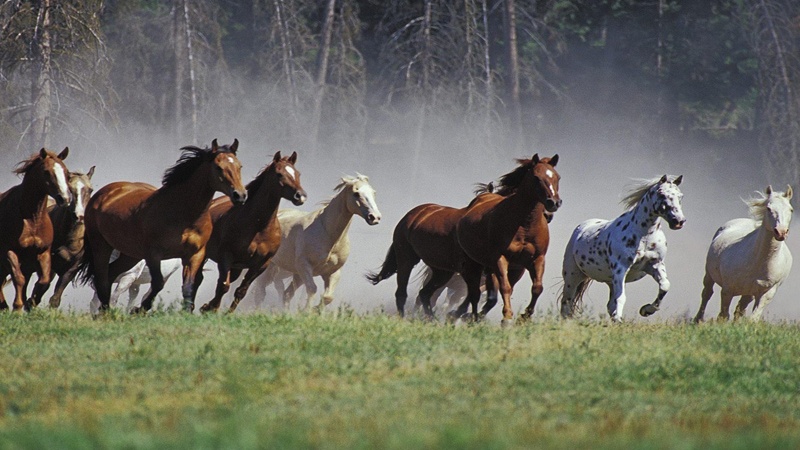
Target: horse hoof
point(507, 323)
point(648, 310)
point(135, 311)
point(203, 309)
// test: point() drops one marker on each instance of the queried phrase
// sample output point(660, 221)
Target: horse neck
point(66, 228)
point(262, 206)
point(521, 205)
point(34, 197)
point(643, 219)
point(766, 245)
point(192, 197)
point(335, 217)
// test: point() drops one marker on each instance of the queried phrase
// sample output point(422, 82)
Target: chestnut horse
point(26, 231)
point(247, 236)
point(67, 247)
point(507, 233)
point(173, 221)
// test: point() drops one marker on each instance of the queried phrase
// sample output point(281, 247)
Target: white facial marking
point(231, 160)
point(549, 173)
point(79, 207)
point(290, 171)
point(61, 178)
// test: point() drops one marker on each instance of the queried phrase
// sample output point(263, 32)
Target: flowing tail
point(388, 268)
point(576, 303)
point(85, 272)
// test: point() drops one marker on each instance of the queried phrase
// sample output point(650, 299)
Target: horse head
point(50, 169)
point(361, 198)
point(228, 171)
point(778, 214)
point(289, 178)
point(548, 178)
point(667, 202)
point(80, 187)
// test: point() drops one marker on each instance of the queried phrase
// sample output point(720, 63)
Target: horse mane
point(639, 190)
point(191, 158)
point(510, 182)
point(255, 185)
point(757, 206)
point(346, 180)
point(25, 165)
point(484, 188)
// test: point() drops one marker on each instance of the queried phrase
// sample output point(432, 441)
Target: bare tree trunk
point(322, 71)
point(286, 53)
point(41, 84)
point(190, 62)
point(180, 68)
point(422, 115)
point(513, 72)
point(487, 70)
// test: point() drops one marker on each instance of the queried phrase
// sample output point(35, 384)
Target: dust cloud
point(598, 161)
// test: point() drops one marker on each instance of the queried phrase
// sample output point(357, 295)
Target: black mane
point(258, 181)
point(191, 159)
point(511, 181)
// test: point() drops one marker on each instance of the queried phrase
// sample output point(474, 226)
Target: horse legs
point(575, 282)
point(471, 273)
point(260, 287)
point(725, 305)
point(192, 266)
point(705, 296)
point(616, 298)
point(659, 273)
point(43, 281)
point(126, 282)
point(537, 287)
point(330, 281)
point(762, 303)
point(3, 277)
point(100, 254)
point(61, 285)
point(18, 278)
point(501, 271)
point(287, 292)
point(223, 284)
point(156, 285)
point(305, 276)
point(438, 278)
point(741, 308)
point(241, 291)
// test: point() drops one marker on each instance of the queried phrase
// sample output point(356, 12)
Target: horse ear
point(769, 190)
point(214, 146)
point(64, 153)
point(663, 179)
point(554, 160)
point(43, 153)
point(678, 180)
point(293, 158)
point(789, 192)
point(277, 156)
point(234, 146)
point(90, 173)
point(535, 158)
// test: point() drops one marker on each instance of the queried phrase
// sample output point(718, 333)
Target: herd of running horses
point(52, 225)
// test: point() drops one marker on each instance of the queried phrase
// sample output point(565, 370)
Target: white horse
point(748, 257)
point(132, 279)
point(316, 243)
point(625, 249)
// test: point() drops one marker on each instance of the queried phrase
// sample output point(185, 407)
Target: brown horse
point(507, 232)
point(247, 236)
point(173, 221)
point(68, 230)
point(427, 233)
point(26, 232)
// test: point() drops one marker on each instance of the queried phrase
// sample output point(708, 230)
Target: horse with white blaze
point(626, 249)
point(748, 257)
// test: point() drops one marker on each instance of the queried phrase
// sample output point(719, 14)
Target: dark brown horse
point(68, 230)
point(26, 232)
point(173, 221)
point(427, 233)
point(507, 232)
point(247, 236)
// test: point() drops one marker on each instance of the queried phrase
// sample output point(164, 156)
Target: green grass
point(347, 381)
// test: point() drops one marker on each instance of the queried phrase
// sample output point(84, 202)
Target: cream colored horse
point(748, 257)
point(316, 243)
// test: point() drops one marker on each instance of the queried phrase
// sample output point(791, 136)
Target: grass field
point(347, 381)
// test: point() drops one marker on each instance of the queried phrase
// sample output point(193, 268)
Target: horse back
point(430, 230)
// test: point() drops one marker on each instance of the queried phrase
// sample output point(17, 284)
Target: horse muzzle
point(552, 205)
point(373, 219)
point(238, 197)
point(676, 224)
point(299, 198)
point(780, 234)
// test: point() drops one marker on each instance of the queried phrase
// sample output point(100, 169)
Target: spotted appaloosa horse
point(625, 249)
point(749, 257)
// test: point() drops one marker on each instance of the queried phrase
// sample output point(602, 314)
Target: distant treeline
point(356, 75)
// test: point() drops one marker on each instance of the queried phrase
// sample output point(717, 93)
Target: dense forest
point(341, 77)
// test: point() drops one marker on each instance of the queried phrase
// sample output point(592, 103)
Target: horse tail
point(576, 305)
point(388, 268)
point(85, 272)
